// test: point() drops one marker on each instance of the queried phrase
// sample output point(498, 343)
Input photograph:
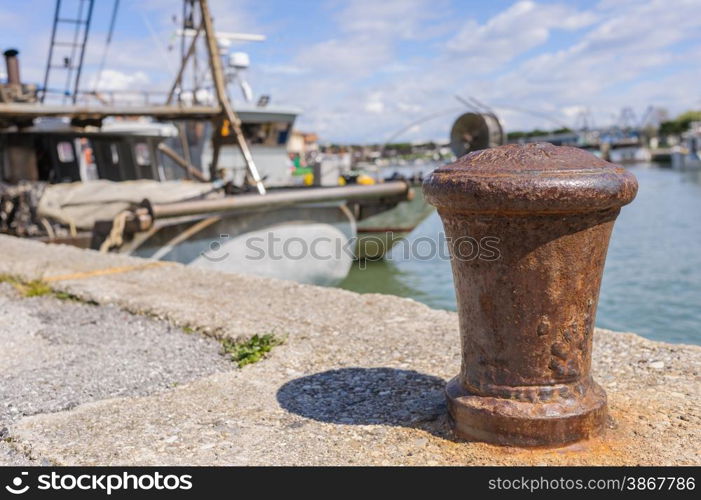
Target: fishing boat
point(687, 155)
point(628, 151)
point(175, 181)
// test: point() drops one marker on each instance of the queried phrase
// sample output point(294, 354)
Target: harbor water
point(652, 279)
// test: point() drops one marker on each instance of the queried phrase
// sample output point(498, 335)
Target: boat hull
point(631, 154)
point(306, 243)
point(681, 161)
point(379, 233)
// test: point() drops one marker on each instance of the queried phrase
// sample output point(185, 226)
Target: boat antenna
point(156, 41)
point(412, 124)
point(108, 41)
point(227, 109)
point(469, 105)
point(510, 107)
point(474, 105)
point(482, 105)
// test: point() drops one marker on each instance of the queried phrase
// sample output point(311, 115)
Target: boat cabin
point(53, 151)
point(67, 154)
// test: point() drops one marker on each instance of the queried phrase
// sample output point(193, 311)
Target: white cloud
point(284, 69)
point(345, 95)
point(374, 103)
point(573, 111)
point(519, 28)
point(368, 32)
point(238, 16)
point(117, 80)
point(396, 19)
point(375, 67)
point(355, 57)
point(615, 54)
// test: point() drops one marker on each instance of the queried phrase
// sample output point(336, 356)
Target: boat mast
point(222, 96)
point(81, 24)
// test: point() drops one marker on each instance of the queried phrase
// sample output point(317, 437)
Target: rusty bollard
point(527, 313)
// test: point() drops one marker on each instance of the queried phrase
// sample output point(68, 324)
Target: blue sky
point(363, 69)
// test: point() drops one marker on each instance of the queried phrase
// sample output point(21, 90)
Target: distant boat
point(628, 152)
point(687, 156)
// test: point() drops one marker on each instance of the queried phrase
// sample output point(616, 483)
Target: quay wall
point(358, 380)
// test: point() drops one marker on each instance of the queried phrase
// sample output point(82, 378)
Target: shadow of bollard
point(367, 396)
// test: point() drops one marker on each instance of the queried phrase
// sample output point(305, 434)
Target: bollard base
point(523, 423)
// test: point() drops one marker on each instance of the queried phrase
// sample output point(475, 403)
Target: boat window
point(143, 157)
point(88, 166)
point(282, 135)
point(114, 154)
point(267, 134)
point(65, 152)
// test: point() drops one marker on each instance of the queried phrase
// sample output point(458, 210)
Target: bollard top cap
point(530, 178)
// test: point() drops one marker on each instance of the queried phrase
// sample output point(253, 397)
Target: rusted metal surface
point(527, 310)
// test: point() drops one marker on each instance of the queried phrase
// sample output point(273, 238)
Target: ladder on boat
point(70, 53)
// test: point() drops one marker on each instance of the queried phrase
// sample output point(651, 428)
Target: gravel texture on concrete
point(58, 354)
point(296, 408)
point(12, 457)
point(359, 380)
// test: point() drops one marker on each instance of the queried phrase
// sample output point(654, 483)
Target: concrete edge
point(135, 285)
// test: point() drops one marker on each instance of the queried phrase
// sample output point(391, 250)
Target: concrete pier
point(128, 372)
